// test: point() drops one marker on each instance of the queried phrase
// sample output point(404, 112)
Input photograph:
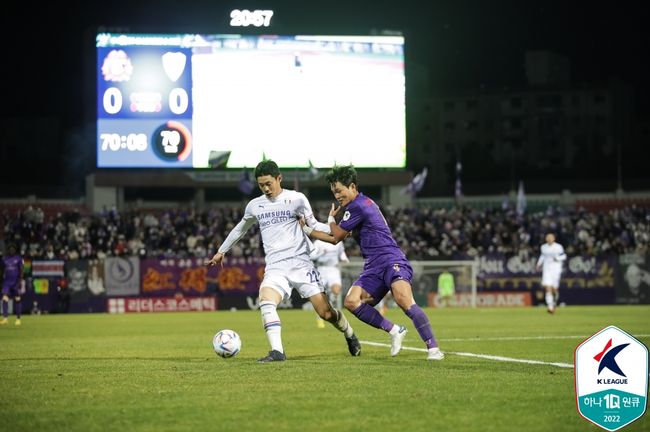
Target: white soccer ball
point(226, 343)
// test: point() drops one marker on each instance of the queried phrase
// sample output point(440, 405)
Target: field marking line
point(516, 338)
point(483, 356)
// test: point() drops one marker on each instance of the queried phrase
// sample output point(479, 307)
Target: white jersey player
point(327, 258)
point(550, 261)
point(287, 249)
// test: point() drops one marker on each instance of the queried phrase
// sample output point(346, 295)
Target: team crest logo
point(174, 64)
point(346, 215)
point(611, 372)
point(396, 268)
point(117, 67)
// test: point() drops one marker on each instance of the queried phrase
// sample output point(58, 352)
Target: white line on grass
point(484, 356)
point(515, 338)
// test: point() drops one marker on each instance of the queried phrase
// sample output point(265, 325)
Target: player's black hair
point(267, 167)
point(346, 174)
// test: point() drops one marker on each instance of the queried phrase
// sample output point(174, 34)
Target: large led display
point(206, 101)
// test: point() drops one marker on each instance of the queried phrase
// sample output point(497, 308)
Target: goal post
point(425, 280)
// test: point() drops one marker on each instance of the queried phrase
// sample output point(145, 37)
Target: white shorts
point(551, 279)
point(330, 276)
point(287, 275)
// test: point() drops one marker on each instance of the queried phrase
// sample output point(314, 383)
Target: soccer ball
point(226, 343)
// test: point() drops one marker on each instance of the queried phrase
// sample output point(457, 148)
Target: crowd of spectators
point(425, 233)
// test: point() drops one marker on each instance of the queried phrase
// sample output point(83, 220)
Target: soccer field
point(157, 372)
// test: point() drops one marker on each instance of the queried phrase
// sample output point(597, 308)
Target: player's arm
point(540, 261)
point(312, 222)
point(233, 237)
point(561, 256)
point(315, 234)
point(337, 235)
point(308, 216)
point(320, 235)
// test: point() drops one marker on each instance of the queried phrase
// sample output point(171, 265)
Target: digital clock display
point(130, 142)
point(200, 101)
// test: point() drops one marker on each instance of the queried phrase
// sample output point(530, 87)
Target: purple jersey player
point(386, 267)
point(12, 266)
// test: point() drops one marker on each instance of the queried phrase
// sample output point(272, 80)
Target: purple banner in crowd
point(585, 280)
point(190, 277)
point(499, 272)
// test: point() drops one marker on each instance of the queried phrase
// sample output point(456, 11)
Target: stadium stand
point(426, 232)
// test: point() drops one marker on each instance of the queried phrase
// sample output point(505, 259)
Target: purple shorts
point(376, 280)
point(11, 290)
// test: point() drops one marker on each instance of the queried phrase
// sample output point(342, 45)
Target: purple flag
point(458, 190)
point(521, 199)
point(245, 183)
point(313, 171)
point(416, 183)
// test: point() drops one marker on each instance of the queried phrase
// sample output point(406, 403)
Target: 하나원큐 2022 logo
point(611, 378)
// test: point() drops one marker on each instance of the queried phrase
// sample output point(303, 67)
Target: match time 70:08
point(130, 142)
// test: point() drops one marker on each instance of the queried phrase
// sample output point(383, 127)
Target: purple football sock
point(18, 304)
point(370, 315)
point(5, 308)
point(422, 324)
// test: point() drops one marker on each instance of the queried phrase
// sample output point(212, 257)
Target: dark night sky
point(464, 44)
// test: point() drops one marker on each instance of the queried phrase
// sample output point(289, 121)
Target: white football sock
point(342, 324)
point(272, 324)
point(549, 300)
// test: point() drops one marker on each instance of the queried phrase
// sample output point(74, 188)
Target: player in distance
point(12, 283)
point(550, 261)
point(327, 258)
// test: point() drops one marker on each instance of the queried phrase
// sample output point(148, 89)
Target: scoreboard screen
point(206, 101)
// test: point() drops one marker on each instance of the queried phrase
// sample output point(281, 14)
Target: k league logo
point(611, 372)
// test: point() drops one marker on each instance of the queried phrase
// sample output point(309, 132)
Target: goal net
point(425, 281)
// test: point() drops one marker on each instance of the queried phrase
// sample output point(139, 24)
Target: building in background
point(551, 133)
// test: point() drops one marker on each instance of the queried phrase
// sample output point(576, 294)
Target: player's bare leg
point(361, 304)
point(326, 311)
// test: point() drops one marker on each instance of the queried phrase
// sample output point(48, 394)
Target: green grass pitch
point(157, 372)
